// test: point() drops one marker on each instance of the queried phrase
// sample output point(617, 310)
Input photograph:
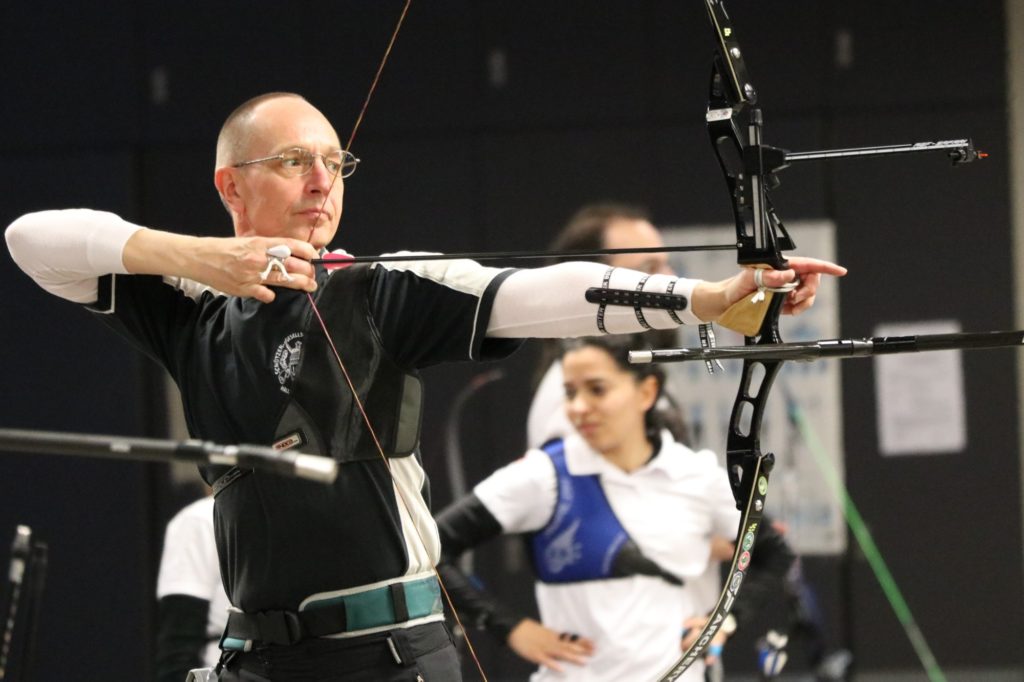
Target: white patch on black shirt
point(286, 360)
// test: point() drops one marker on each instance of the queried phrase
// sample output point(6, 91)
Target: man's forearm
point(709, 299)
point(153, 252)
point(66, 251)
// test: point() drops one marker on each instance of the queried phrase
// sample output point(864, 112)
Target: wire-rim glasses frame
point(298, 161)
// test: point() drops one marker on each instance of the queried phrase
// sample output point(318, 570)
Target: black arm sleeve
point(462, 526)
point(181, 636)
point(770, 561)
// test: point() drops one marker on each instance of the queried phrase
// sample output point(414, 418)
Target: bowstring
point(344, 370)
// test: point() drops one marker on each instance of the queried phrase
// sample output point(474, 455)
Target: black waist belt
point(377, 607)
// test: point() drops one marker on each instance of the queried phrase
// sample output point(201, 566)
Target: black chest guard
point(321, 416)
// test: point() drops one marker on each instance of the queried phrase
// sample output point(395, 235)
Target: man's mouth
point(316, 214)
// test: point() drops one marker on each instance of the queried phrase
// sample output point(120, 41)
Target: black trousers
point(425, 653)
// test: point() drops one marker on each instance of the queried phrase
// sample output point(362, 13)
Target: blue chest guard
point(583, 535)
point(584, 540)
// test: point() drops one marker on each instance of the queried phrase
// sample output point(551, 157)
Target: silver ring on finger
point(275, 261)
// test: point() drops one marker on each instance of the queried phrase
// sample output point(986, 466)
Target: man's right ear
point(225, 179)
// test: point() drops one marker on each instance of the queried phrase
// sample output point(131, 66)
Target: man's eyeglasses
point(299, 161)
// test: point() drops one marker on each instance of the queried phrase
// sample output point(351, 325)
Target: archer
point(332, 580)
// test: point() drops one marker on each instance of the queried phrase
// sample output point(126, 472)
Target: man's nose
point(319, 178)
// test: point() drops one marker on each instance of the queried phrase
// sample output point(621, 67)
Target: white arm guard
point(550, 302)
point(66, 251)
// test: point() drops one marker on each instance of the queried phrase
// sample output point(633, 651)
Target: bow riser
point(760, 234)
point(743, 446)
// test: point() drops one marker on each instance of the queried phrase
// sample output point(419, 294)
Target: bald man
point(326, 582)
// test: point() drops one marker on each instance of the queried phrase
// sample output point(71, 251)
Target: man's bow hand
point(712, 299)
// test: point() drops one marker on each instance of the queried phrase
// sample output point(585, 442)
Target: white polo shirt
point(671, 508)
point(189, 566)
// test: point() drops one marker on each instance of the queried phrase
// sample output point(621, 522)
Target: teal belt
point(386, 605)
point(377, 607)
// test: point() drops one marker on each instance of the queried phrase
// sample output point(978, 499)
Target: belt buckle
point(279, 627)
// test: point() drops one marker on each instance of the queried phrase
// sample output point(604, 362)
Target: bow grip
point(747, 315)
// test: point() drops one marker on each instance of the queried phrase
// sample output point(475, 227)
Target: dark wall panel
point(68, 373)
point(177, 191)
point(202, 60)
point(417, 192)
point(687, 186)
point(433, 77)
point(533, 182)
point(64, 85)
point(565, 64)
point(904, 226)
point(917, 55)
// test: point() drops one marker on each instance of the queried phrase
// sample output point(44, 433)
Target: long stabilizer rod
point(836, 348)
point(283, 462)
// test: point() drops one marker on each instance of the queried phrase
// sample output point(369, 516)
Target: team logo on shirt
point(563, 550)
point(286, 360)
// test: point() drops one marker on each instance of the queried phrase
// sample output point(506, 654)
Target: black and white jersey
point(236, 362)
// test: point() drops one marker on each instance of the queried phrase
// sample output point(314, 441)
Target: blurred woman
point(618, 515)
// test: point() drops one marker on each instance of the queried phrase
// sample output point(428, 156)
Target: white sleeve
point(550, 302)
point(522, 495)
point(66, 251)
point(189, 563)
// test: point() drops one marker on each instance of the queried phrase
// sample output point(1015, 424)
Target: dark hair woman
point(618, 516)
